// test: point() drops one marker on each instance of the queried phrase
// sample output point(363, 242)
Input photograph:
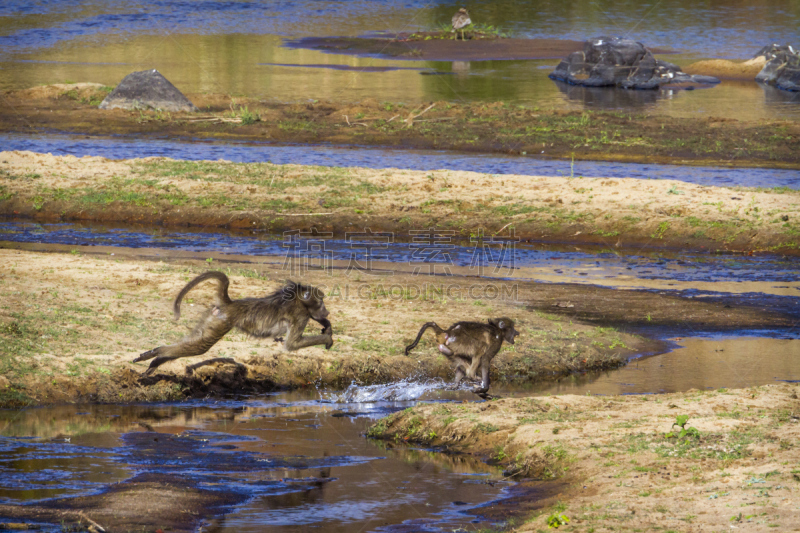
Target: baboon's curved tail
point(427, 325)
point(222, 290)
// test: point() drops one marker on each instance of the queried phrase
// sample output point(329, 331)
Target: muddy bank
point(623, 470)
point(470, 127)
point(75, 319)
point(277, 198)
point(441, 47)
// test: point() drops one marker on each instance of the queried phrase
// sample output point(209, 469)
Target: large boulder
point(782, 68)
point(619, 62)
point(147, 89)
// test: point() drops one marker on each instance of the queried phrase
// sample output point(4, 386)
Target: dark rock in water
point(770, 51)
point(618, 62)
point(147, 89)
point(782, 68)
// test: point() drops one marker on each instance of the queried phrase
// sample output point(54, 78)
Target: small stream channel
point(620, 267)
point(357, 156)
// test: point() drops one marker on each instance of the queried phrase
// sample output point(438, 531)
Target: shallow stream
point(299, 459)
point(620, 268)
point(355, 156)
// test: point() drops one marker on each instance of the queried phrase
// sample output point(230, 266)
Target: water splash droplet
point(399, 391)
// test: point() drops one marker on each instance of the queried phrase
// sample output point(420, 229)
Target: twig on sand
point(236, 120)
point(437, 119)
point(412, 116)
point(92, 524)
point(354, 123)
point(504, 227)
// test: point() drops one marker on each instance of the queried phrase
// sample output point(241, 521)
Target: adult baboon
point(469, 345)
point(285, 312)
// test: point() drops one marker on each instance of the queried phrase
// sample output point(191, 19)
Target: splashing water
point(399, 391)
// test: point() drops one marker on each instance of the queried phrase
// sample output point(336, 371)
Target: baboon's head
point(506, 325)
point(313, 299)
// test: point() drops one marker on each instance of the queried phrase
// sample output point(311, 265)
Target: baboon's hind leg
point(204, 336)
point(459, 376)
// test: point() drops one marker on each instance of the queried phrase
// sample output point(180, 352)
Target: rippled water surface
point(300, 459)
point(591, 263)
point(236, 48)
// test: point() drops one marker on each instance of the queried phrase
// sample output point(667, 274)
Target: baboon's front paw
point(329, 344)
point(327, 328)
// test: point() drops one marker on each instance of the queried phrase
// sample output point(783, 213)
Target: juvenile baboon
point(470, 344)
point(285, 312)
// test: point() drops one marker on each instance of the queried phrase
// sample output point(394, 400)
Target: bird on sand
point(460, 21)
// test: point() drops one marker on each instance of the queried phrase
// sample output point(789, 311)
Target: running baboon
point(284, 312)
point(470, 344)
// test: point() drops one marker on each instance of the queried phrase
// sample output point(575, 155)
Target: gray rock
point(147, 89)
point(782, 68)
point(771, 50)
point(619, 62)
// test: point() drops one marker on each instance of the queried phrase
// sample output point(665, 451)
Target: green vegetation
point(556, 520)
point(245, 115)
point(685, 433)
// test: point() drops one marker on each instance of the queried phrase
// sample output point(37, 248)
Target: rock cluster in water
point(147, 89)
point(782, 68)
point(619, 62)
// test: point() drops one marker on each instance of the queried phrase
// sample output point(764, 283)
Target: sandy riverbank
point(620, 471)
point(275, 198)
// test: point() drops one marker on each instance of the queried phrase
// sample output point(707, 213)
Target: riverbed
point(659, 284)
